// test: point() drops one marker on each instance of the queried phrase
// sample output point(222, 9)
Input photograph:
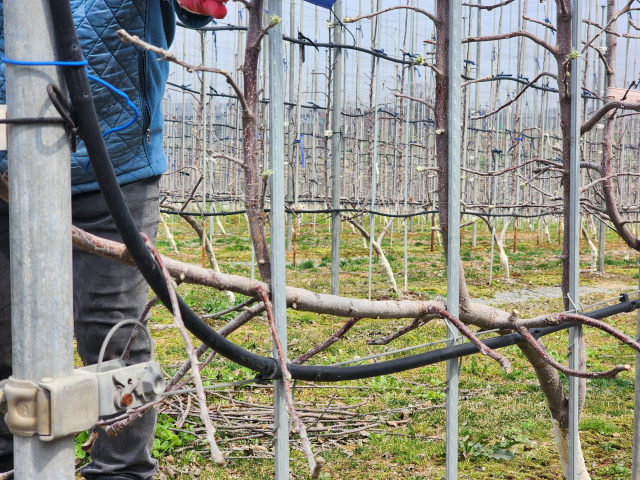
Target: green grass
point(495, 409)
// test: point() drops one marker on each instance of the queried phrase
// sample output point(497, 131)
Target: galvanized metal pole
point(406, 165)
point(635, 467)
point(184, 119)
point(278, 279)
point(374, 167)
point(40, 230)
point(575, 333)
point(336, 152)
point(453, 234)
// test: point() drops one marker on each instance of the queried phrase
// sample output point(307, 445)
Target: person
point(106, 292)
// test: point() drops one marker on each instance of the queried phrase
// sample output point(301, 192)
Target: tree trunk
point(562, 444)
point(253, 179)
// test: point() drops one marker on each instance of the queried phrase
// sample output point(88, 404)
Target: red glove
point(212, 8)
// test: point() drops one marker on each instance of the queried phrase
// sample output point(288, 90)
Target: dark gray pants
point(104, 293)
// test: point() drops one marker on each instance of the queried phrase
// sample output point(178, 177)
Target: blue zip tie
point(82, 63)
point(129, 102)
point(123, 95)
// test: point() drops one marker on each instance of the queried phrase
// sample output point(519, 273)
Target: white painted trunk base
point(562, 443)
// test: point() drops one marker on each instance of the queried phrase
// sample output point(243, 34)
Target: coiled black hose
point(69, 50)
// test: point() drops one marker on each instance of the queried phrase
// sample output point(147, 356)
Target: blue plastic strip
point(322, 3)
point(82, 63)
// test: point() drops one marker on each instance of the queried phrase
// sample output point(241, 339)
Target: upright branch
point(216, 454)
point(273, 21)
point(315, 464)
point(254, 201)
point(612, 20)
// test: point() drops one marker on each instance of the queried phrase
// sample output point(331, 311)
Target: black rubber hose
point(333, 374)
point(69, 49)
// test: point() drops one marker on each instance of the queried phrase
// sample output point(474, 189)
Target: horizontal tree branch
point(488, 7)
point(416, 99)
point(524, 89)
point(544, 24)
point(429, 15)
point(504, 36)
point(606, 108)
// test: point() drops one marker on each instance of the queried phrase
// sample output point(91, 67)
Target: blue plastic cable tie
point(80, 63)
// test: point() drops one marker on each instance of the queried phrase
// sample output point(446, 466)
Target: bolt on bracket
point(59, 407)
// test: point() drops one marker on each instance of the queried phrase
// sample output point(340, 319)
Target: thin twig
point(134, 333)
point(240, 306)
point(315, 465)
point(184, 414)
point(429, 15)
point(484, 350)
point(613, 19)
point(171, 57)
point(216, 454)
point(488, 7)
point(227, 157)
point(327, 343)
point(415, 99)
point(544, 24)
point(540, 350)
point(524, 89)
point(417, 323)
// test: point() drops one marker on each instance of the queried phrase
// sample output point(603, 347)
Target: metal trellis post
point(575, 333)
point(336, 157)
point(453, 233)
point(406, 165)
point(374, 167)
point(278, 280)
point(40, 231)
point(635, 468)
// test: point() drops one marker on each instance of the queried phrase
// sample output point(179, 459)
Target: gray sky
point(391, 39)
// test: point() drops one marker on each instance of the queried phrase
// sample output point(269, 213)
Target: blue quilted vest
point(136, 152)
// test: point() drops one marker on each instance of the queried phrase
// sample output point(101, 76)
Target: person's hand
point(211, 8)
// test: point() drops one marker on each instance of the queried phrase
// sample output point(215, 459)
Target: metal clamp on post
point(53, 409)
point(60, 407)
